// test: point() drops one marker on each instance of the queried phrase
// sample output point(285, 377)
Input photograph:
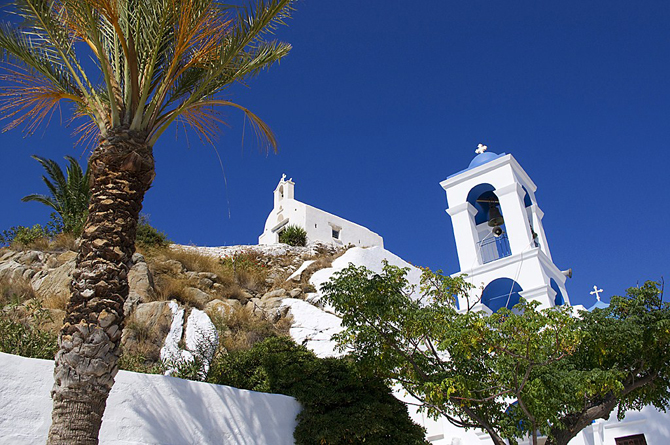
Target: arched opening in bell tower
point(501, 292)
point(559, 300)
point(492, 242)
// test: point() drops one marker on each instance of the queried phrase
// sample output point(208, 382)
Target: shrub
point(20, 332)
point(293, 236)
point(341, 405)
point(139, 363)
point(149, 236)
point(21, 236)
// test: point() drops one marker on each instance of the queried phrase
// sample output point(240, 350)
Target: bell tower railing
point(494, 248)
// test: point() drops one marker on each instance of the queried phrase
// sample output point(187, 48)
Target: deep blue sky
point(380, 101)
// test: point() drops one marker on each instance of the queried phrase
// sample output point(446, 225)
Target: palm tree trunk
point(122, 169)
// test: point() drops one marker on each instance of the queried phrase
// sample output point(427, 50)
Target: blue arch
point(559, 300)
point(481, 191)
point(501, 292)
point(526, 198)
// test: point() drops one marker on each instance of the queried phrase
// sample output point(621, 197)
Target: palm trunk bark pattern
point(122, 169)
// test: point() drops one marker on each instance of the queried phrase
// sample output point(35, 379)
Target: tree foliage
point(515, 373)
point(341, 405)
point(69, 193)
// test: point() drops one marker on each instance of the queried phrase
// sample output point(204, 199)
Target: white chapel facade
point(500, 239)
point(319, 225)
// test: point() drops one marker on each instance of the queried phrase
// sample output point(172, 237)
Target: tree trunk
point(122, 169)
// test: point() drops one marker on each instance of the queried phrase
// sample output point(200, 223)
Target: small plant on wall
point(293, 236)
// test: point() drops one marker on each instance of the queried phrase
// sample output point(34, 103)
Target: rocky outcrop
point(265, 278)
point(141, 284)
point(147, 327)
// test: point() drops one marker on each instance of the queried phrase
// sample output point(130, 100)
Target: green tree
point(341, 405)
point(70, 193)
point(514, 373)
point(159, 62)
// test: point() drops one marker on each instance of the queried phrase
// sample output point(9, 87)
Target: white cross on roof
point(596, 291)
point(481, 148)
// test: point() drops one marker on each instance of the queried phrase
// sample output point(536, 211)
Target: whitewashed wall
point(147, 409)
point(318, 224)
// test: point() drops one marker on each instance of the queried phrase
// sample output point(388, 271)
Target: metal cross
point(481, 148)
point(596, 291)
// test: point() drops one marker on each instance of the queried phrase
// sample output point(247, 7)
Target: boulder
point(4, 256)
point(223, 307)
point(140, 283)
point(206, 283)
point(254, 306)
point(154, 317)
point(272, 308)
point(171, 266)
point(11, 271)
point(30, 257)
point(277, 293)
point(66, 256)
point(196, 295)
point(54, 286)
point(208, 275)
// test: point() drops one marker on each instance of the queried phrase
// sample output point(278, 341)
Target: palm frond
point(17, 47)
point(205, 119)
point(160, 61)
point(29, 99)
point(70, 193)
point(46, 200)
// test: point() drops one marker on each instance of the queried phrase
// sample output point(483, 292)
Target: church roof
point(480, 159)
point(599, 305)
point(483, 158)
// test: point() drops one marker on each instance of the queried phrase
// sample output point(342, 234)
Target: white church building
point(319, 225)
point(503, 249)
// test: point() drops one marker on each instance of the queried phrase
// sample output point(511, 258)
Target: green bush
point(341, 405)
point(25, 236)
point(293, 236)
point(22, 336)
point(148, 236)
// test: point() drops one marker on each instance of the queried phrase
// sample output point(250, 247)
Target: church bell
point(495, 219)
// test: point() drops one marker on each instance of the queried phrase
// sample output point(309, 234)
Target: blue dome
point(483, 158)
point(480, 159)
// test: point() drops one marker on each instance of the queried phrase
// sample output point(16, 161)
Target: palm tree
point(69, 194)
point(159, 61)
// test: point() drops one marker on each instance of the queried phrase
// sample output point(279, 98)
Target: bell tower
point(500, 239)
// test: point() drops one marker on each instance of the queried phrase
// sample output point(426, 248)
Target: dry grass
point(56, 301)
point(143, 340)
point(63, 241)
point(193, 260)
point(16, 292)
point(234, 292)
point(38, 244)
point(241, 329)
point(168, 287)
